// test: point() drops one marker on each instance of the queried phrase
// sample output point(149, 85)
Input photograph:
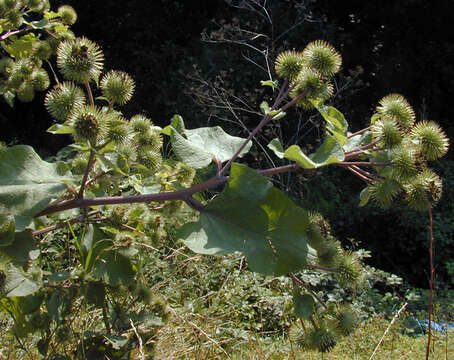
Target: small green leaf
point(304, 305)
point(276, 146)
point(59, 276)
point(270, 83)
point(116, 341)
point(58, 305)
point(265, 107)
point(375, 117)
point(279, 115)
point(94, 292)
point(22, 47)
point(364, 197)
point(330, 152)
point(335, 121)
point(51, 15)
point(41, 24)
point(60, 129)
point(114, 268)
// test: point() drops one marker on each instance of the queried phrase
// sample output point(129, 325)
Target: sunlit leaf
point(276, 146)
point(27, 183)
point(263, 224)
point(198, 147)
point(335, 121)
point(330, 152)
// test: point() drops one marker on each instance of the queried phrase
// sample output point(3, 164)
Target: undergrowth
point(213, 308)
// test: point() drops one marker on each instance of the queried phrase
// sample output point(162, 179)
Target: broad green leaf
point(198, 147)
point(17, 284)
point(364, 197)
point(7, 228)
point(21, 47)
point(114, 268)
point(304, 305)
point(60, 129)
point(336, 123)
point(273, 84)
point(22, 250)
point(27, 183)
point(276, 146)
point(330, 152)
point(252, 217)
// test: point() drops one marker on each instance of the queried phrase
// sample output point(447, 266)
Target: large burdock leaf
point(27, 183)
point(330, 152)
point(198, 147)
point(252, 217)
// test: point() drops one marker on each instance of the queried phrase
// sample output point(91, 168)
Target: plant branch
point(362, 176)
point(90, 163)
point(365, 163)
point(359, 132)
point(280, 97)
point(431, 283)
point(78, 219)
point(7, 34)
point(301, 283)
point(163, 196)
point(280, 169)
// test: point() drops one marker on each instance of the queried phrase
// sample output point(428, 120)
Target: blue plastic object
point(440, 327)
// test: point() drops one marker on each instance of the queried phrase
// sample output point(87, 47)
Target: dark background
point(401, 46)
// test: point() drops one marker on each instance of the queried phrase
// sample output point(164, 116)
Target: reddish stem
point(431, 283)
point(358, 132)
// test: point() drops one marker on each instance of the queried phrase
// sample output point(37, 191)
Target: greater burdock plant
point(114, 195)
point(29, 34)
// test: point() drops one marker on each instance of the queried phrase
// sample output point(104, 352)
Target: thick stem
point(431, 283)
point(112, 200)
